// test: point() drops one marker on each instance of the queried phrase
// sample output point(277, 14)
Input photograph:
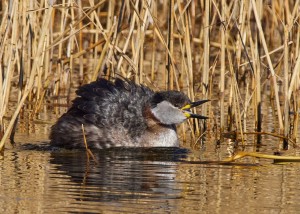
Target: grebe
point(121, 113)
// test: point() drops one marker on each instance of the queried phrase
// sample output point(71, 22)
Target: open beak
point(187, 107)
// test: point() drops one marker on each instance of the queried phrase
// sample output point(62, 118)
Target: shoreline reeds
point(238, 53)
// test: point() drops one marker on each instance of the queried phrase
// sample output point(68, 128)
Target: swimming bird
point(121, 113)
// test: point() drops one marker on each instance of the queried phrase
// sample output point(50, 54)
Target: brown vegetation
point(234, 51)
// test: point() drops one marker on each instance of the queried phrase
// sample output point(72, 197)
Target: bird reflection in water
point(121, 173)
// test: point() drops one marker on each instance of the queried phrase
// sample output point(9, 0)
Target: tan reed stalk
point(96, 38)
point(80, 41)
point(246, 103)
point(154, 45)
point(139, 38)
point(206, 54)
point(62, 26)
point(241, 30)
point(270, 53)
point(223, 68)
point(38, 81)
point(101, 62)
point(256, 81)
point(296, 94)
point(62, 36)
point(189, 62)
point(109, 60)
point(190, 69)
point(295, 74)
point(183, 69)
point(179, 21)
point(262, 37)
point(139, 44)
point(296, 116)
point(70, 45)
point(123, 48)
point(162, 40)
point(257, 77)
point(5, 24)
point(183, 64)
point(170, 80)
point(257, 89)
point(141, 70)
point(237, 101)
point(129, 36)
point(20, 67)
point(12, 120)
point(48, 54)
point(10, 57)
point(234, 100)
point(110, 15)
point(33, 73)
point(286, 86)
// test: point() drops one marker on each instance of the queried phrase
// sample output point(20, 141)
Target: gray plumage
point(120, 113)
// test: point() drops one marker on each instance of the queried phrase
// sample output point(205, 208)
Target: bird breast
point(162, 136)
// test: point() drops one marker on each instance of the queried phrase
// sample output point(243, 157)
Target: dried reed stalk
point(206, 53)
point(286, 87)
point(265, 47)
point(223, 67)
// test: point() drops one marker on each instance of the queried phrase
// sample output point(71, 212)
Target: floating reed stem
point(240, 155)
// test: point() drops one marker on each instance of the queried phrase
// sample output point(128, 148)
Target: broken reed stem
point(88, 151)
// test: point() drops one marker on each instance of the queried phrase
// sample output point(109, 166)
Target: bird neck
point(157, 134)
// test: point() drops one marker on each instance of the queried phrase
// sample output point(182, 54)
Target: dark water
point(37, 179)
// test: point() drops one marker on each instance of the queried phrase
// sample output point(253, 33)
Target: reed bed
point(236, 53)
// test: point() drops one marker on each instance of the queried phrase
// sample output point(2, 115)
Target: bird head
point(173, 107)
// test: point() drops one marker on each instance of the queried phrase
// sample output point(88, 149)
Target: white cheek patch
point(166, 113)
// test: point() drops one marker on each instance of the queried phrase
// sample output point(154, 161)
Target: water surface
point(38, 179)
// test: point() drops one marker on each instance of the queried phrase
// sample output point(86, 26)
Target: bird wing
point(109, 104)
